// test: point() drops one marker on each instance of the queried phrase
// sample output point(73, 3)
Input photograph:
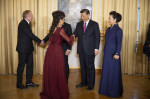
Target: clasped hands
point(68, 51)
point(42, 43)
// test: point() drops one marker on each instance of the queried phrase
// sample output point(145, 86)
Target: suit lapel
point(29, 27)
point(88, 26)
point(27, 24)
point(82, 23)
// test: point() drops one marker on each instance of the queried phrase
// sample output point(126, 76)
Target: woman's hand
point(74, 36)
point(116, 57)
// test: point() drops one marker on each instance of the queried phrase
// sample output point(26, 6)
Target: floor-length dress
point(54, 76)
point(111, 77)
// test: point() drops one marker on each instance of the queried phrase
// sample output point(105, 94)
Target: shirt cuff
point(97, 49)
point(68, 50)
point(117, 53)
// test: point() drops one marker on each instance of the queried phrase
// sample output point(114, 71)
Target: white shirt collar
point(27, 21)
point(87, 22)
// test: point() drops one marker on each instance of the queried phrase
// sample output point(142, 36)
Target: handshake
point(42, 43)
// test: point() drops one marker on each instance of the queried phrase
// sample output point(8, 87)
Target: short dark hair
point(116, 16)
point(86, 11)
point(25, 13)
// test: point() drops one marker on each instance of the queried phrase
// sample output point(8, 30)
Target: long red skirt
point(54, 76)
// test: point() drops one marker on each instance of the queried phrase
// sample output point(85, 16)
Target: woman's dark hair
point(116, 16)
point(86, 11)
point(57, 15)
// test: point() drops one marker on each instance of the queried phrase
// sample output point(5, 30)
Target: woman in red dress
point(54, 77)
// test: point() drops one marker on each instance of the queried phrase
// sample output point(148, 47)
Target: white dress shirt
point(87, 22)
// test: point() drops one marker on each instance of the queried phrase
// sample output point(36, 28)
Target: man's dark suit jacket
point(146, 49)
point(68, 31)
point(88, 40)
point(25, 37)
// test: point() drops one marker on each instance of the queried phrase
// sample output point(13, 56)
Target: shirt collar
point(87, 22)
point(27, 21)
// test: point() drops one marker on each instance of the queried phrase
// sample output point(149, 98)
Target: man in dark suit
point(65, 46)
point(88, 34)
point(25, 49)
point(146, 47)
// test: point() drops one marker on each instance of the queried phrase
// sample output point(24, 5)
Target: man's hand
point(96, 52)
point(116, 57)
point(42, 43)
point(67, 52)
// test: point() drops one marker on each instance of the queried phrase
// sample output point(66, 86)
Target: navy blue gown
point(111, 77)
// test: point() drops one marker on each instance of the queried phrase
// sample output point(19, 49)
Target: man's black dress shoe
point(89, 88)
point(22, 87)
point(81, 85)
point(32, 84)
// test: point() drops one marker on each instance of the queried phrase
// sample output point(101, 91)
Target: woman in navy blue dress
point(111, 77)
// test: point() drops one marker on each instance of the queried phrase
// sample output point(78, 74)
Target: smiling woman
point(111, 79)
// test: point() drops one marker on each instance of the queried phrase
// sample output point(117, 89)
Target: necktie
point(84, 26)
